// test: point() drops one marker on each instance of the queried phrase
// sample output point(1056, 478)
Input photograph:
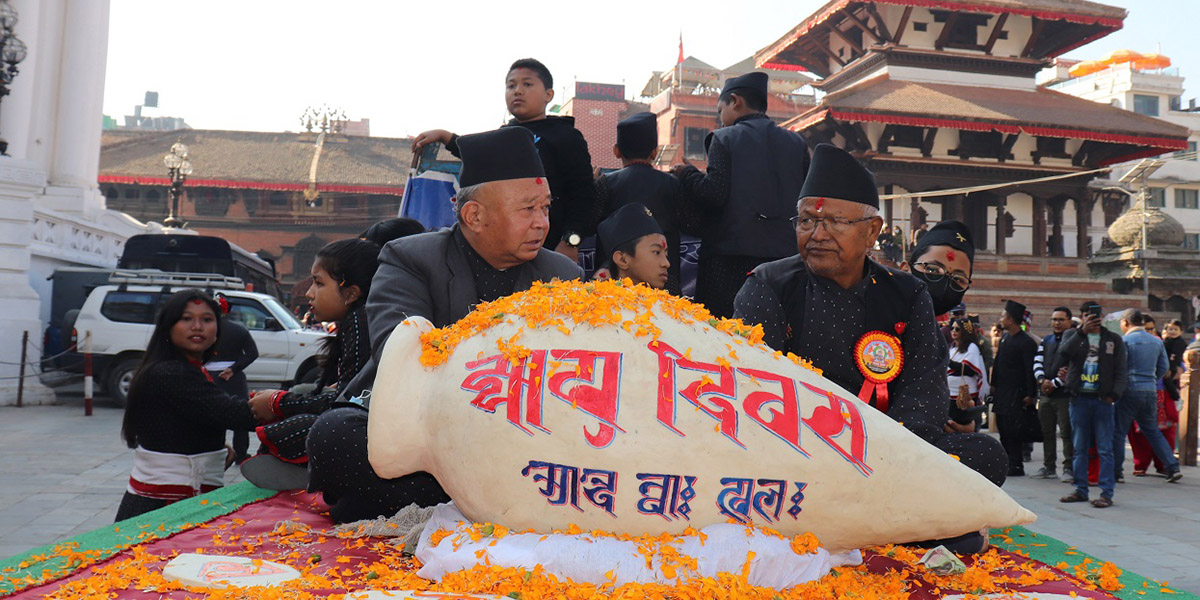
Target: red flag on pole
point(680, 60)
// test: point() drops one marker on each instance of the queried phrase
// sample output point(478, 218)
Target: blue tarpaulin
point(429, 197)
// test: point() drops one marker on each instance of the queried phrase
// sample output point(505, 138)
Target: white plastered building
point(51, 211)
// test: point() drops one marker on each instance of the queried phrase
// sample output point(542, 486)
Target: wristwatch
point(572, 239)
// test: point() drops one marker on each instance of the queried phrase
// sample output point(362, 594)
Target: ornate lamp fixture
point(178, 169)
point(12, 52)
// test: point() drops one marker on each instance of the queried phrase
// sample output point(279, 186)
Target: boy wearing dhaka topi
point(635, 246)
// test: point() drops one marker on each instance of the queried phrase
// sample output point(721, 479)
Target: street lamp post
point(1145, 258)
point(12, 52)
point(1137, 176)
point(178, 168)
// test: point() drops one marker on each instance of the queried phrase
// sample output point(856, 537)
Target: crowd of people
point(787, 235)
point(1083, 385)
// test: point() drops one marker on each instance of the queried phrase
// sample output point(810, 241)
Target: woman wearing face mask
point(943, 259)
point(177, 417)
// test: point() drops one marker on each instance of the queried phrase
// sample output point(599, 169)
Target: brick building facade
point(281, 195)
point(597, 107)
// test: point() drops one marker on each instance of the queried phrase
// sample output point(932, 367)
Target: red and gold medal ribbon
point(879, 358)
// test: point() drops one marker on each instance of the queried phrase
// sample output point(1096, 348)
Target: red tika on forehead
point(820, 203)
point(538, 180)
point(198, 301)
point(950, 256)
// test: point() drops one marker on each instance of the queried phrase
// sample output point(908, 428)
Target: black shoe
point(1173, 476)
point(268, 472)
point(1026, 457)
point(1120, 478)
point(1016, 471)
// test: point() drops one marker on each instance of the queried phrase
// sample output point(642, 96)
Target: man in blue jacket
point(1147, 358)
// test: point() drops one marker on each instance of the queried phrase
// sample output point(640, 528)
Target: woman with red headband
point(176, 416)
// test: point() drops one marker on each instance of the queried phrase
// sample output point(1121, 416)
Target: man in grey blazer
point(494, 250)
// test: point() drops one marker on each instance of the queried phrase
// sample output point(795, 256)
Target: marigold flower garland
point(564, 305)
point(987, 573)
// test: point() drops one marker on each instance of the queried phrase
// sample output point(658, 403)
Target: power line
point(1190, 155)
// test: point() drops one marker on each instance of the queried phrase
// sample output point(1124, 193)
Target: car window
point(285, 318)
point(130, 307)
point(250, 313)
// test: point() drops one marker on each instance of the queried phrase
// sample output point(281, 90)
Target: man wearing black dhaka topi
point(639, 181)
point(871, 329)
point(494, 250)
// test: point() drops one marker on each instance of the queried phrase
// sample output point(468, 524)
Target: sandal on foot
point(1102, 502)
point(1073, 497)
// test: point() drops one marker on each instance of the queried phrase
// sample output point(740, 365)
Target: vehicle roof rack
point(125, 277)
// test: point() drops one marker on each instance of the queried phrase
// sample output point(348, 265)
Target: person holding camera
point(1097, 374)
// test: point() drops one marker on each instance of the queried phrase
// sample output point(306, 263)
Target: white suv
point(120, 317)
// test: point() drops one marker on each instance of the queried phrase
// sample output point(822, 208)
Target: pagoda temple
point(938, 95)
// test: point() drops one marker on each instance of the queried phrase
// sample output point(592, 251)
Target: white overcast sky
point(410, 66)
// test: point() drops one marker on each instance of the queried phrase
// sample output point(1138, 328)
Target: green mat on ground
point(106, 541)
point(1052, 552)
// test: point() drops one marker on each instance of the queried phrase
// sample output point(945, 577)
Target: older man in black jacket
point(493, 251)
point(836, 307)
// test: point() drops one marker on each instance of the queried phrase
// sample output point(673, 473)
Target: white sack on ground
point(585, 558)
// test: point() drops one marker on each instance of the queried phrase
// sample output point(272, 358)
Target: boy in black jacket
point(529, 88)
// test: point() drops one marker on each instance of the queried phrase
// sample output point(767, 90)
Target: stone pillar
point(915, 216)
point(1056, 224)
point(952, 208)
point(1001, 237)
point(75, 162)
point(1189, 389)
point(1083, 219)
point(20, 180)
point(1039, 226)
point(889, 206)
point(23, 119)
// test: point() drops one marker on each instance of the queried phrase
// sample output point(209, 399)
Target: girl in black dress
point(176, 417)
point(341, 275)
